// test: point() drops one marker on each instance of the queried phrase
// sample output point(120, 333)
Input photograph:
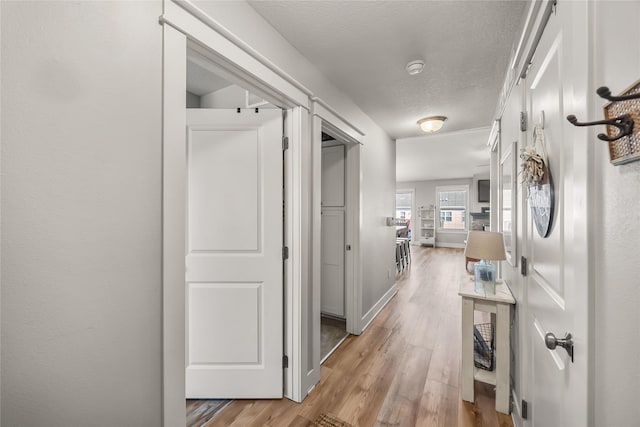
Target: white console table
point(500, 307)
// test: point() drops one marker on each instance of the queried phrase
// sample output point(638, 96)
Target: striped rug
point(330, 420)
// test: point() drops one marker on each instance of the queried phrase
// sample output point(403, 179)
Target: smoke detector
point(415, 67)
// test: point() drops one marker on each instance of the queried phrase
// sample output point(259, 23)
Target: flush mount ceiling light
point(431, 124)
point(415, 67)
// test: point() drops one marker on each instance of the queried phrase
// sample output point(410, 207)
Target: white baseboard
point(451, 245)
point(377, 307)
point(516, 411)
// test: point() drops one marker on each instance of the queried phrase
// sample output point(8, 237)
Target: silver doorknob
point(552, 342)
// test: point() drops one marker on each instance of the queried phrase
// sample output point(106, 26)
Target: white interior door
point(332, 288)
point(234, 283)
point(557, 294)
point(333, 231)
point(333, 176)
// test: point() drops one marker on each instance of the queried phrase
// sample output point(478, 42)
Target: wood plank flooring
point(404, 370)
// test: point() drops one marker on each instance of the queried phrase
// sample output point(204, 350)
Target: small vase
point(485, 277)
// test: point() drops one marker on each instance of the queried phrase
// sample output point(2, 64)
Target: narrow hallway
point(402, 371)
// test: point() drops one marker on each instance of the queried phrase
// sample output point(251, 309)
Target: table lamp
point(486, 246)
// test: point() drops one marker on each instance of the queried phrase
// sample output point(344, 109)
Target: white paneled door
point(333, 168)
point(557, 283)
point(332, 289)
point(234, 279)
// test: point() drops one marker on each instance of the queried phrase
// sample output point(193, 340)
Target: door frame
point(324, 119)
point(185, 26)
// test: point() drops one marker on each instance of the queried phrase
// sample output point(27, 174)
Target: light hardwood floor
point(402, 371)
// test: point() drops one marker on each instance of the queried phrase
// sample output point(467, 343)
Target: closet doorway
point(333, 325)
point(234, 226)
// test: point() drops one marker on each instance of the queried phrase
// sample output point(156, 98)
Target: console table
point(499, 305)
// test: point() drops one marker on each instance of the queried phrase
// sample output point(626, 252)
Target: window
point(445, 216)
point(403, 205)
point(452, 207)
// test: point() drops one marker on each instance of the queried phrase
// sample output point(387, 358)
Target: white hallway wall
point(81, 243)
point(617, 229)
point(377, 158)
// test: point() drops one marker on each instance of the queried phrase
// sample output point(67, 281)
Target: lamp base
point(485, 277)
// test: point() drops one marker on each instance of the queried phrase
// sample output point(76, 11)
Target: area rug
point(329, 420)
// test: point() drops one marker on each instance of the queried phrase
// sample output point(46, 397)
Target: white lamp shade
point(487, 245)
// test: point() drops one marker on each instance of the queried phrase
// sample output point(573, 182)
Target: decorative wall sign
point(536, 175)
point(541, 200)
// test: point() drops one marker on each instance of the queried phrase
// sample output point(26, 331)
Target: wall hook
point(624, 124)
point(605, 93)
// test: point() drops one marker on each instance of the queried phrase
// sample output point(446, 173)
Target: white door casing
point(234, 282)
point(183, 25)
point(557, 281)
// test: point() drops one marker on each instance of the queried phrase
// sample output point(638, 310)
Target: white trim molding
point(377, 307)
point(223, 31)
point(297, 266)
point(535, 23)
point(451, 245)
point(326, 120)
point(336, 121)
point(245, 64)
point(173, 226)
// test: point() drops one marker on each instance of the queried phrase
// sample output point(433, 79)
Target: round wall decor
point(541, 200)
point(537, 177)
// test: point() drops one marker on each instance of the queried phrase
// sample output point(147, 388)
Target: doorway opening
point(333, 321)
point(235, 232)
point(299, 353)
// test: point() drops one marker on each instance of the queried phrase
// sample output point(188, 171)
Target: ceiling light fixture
point(415, 67)
point(432, 124)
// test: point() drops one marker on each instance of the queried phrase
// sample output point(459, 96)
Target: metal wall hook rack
point(605, 93)
point(624, 124)
point(622, 121)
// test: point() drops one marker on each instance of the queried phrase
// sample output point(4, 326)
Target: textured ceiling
point(362, 47)
point(448, 155)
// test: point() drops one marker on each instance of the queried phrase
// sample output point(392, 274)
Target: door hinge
point(285, 361)
point(285, 252)
point(525, 409)
point(523, 266)
point(285, 143)
point(523, 121)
